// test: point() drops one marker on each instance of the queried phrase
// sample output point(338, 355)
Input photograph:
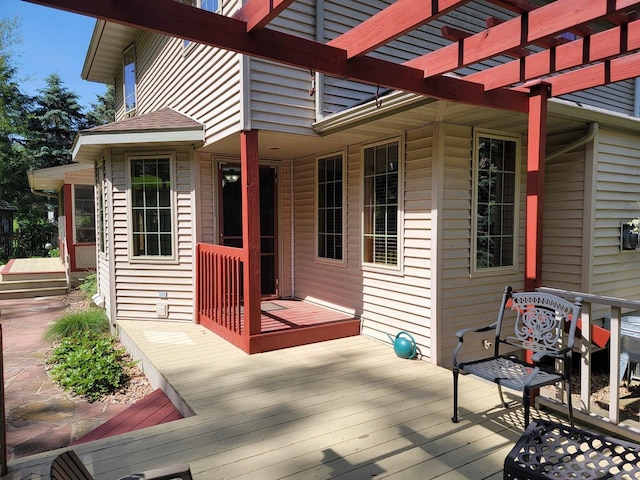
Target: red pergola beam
point(552, 19)
point(400, 17)
point(611, 71)
point(599, 47)
point(455, 34)
point(258, 13)
point(172, 18)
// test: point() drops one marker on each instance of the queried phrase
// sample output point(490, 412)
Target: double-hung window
point(381, 194)
point(496, 172)
point(129, 75)
point(152, 207)
point(330, 209)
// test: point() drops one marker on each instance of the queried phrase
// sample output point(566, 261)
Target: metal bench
point(68, 466)
point(551, 450)
point(545, 326)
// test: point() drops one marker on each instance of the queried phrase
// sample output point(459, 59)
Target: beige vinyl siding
point(564, 211)
point(286, 245)
point(138, 284)
point(197, 80)
point(467, 301)
point(387, 301)
point(615, 272)
point(103, 267)
point(280, 99)
point(207, 203)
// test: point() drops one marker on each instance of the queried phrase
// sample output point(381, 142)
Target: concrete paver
point(40, 416)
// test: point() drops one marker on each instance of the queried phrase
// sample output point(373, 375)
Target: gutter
point(39, 193)
point(593, 131)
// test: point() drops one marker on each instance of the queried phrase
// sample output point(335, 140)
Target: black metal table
point(548, 450)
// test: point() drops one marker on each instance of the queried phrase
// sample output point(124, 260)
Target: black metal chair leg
point(454, 419)
point(570, 403)
point(526, 399)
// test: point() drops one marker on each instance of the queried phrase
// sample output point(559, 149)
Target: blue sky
point(53, 41)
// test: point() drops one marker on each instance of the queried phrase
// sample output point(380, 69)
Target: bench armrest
point(464, 331)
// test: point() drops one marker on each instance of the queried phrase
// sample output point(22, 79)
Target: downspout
point(591, 134)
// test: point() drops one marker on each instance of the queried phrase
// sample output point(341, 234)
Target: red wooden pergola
point(546, 63)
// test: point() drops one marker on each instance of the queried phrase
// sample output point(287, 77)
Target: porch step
point(154, 409)
point(29, 278)
point(32, 288)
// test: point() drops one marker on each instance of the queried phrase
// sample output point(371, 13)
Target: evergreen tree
point(55, 121)
point(14, 112)
point(104, 109)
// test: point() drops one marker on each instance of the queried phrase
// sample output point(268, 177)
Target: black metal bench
point(548, 450)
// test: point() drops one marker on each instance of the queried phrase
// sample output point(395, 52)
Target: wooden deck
point(346, 408)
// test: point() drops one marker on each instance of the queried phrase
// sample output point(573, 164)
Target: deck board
point(346, 409)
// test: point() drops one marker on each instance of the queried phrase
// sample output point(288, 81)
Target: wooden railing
point(615, 307)
point(219, 295)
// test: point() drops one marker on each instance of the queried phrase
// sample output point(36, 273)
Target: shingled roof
point(164, 119)
point(163, 127)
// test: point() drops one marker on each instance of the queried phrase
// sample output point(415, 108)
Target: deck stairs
point(32, 277)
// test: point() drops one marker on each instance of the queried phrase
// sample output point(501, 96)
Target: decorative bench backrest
point(544, 322)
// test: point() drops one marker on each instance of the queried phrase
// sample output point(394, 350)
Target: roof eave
point(88, 145)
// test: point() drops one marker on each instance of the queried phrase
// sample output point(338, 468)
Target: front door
point(230, 223)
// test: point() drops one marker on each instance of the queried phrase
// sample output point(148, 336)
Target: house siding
point(615, 272)
point(199, 81)
point(280, 95)
point(466, 300)
point(387, 301)
point(564, 213)
point(138, 284)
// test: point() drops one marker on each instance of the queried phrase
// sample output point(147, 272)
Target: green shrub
point(90, 365)
point(93, 320)
point(90, 285)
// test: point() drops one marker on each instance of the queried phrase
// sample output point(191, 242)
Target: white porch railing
point(616, 307)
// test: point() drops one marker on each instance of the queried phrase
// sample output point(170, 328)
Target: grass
point(92, 320)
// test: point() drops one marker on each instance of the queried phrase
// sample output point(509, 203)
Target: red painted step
point(154, 409)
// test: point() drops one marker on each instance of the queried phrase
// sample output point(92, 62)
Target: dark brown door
point(230, 224)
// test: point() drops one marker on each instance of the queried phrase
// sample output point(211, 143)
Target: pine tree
point(104, 109)
point(54, 124)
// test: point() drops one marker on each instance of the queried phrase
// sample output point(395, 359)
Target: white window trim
point(377, 267)
point(74, 216)
point(475, 271)
point(318, 259)
point(124, 80)
point(174, 241)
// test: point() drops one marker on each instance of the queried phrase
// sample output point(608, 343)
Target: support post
point(535, 183)
point(250, 177)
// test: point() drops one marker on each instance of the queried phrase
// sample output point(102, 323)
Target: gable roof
point(163, 127)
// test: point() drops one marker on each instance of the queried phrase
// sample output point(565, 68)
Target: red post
point(251, 231)
point(535, 184)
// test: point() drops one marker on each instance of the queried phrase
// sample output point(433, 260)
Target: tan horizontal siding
point(138, 283)
point(616, 201)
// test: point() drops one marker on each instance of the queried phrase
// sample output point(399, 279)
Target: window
point(330, 209)
point(84, 214)
point(380, 203)
point(496, 190)
point(151, 207)
point(208, 5)
point(129, 74)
